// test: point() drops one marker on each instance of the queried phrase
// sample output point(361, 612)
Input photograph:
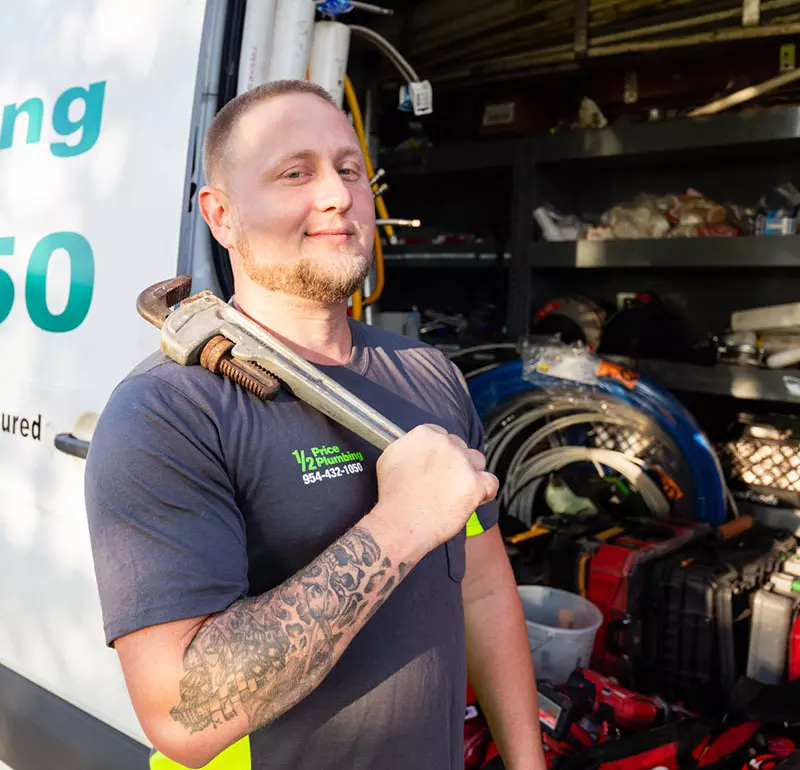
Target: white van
point(103, 108)
point(103, 105)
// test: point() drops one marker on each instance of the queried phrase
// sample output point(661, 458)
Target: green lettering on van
point(81, 284)
point(6, 282)
point(88, 123)
point(34, 111)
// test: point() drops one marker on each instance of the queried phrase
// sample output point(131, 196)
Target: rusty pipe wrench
point(188, 323)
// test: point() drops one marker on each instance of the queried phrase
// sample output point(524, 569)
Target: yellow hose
point(358, 306)
point(358, 124)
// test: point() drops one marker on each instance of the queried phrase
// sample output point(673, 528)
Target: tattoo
point(264, 654)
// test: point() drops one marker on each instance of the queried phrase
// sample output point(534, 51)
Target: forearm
point(251, 663)
point(500, 671)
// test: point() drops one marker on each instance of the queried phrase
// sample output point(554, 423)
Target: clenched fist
point(429, 484)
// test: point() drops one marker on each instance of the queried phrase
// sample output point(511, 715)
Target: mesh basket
point(628, 441)
point(761, 460)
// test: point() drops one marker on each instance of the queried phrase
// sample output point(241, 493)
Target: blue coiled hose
point(492, 388)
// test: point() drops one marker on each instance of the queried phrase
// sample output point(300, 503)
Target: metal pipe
point(372, 8)
point(746, 94)
point(405, 68)
point(398, 222)
point(670, 26)
point(700, 38)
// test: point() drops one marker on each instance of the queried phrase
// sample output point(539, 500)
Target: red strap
point(728, 742)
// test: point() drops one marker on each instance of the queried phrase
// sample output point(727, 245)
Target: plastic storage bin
point(558, 651)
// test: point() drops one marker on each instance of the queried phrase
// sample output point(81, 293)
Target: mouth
point(335, 234)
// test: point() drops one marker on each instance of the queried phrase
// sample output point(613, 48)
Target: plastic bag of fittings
point(646, 216)
point(556, 226)
point(693, 209)
point(569, 363)
point(670, 216)
point(572, 362)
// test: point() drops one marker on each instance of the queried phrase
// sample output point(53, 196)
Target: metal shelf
point(770, 129)
point(745, 382)
point(754, 251)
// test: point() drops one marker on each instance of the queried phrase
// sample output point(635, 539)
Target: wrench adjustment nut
point(216, 357)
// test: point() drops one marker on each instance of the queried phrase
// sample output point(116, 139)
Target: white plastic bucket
point(557, 651)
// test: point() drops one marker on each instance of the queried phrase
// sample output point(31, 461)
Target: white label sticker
point(421, 97)
point(792, 385)
point(498, 114)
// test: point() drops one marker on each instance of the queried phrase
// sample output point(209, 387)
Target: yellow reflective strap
point(474, 526)
point(235, 757)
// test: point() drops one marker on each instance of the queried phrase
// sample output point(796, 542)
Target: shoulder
point(158, 391)
point(158, 373)
point(409, 351)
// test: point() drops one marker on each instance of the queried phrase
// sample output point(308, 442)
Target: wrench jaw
point(192, 334)
point(154, 304)
point(190, 326)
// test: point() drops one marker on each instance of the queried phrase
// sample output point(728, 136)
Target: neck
point(319, 332)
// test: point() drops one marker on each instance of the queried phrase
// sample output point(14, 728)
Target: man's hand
point(429, 484)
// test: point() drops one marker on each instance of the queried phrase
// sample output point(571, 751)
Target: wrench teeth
point(265, 371)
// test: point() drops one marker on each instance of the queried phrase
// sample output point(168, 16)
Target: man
point(275, 589)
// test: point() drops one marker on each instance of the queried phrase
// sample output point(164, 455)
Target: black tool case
point(696, 627)
point(657, 542)
point(661, 624)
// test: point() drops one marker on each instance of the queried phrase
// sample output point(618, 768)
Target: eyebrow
point(342, 152)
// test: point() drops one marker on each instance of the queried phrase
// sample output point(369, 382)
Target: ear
point(215, 209)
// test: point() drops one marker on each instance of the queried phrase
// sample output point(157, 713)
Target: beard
point(332, 282)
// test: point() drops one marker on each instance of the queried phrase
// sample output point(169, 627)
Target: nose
point(332, 194)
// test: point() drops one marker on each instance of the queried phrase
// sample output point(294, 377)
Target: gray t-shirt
point(199, 494)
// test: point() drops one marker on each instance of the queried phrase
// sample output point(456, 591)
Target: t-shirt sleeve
point(168, 539)
point(487, 515)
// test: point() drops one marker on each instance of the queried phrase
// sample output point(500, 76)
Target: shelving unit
point(744, 152)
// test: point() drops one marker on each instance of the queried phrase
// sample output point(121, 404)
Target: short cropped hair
point(219, 133)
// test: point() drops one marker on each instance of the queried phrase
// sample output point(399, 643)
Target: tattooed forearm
point(264, 654)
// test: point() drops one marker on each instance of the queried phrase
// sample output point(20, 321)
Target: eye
point(296, 174)
point(349, 173)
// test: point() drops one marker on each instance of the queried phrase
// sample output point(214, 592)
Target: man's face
point(301, 207)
